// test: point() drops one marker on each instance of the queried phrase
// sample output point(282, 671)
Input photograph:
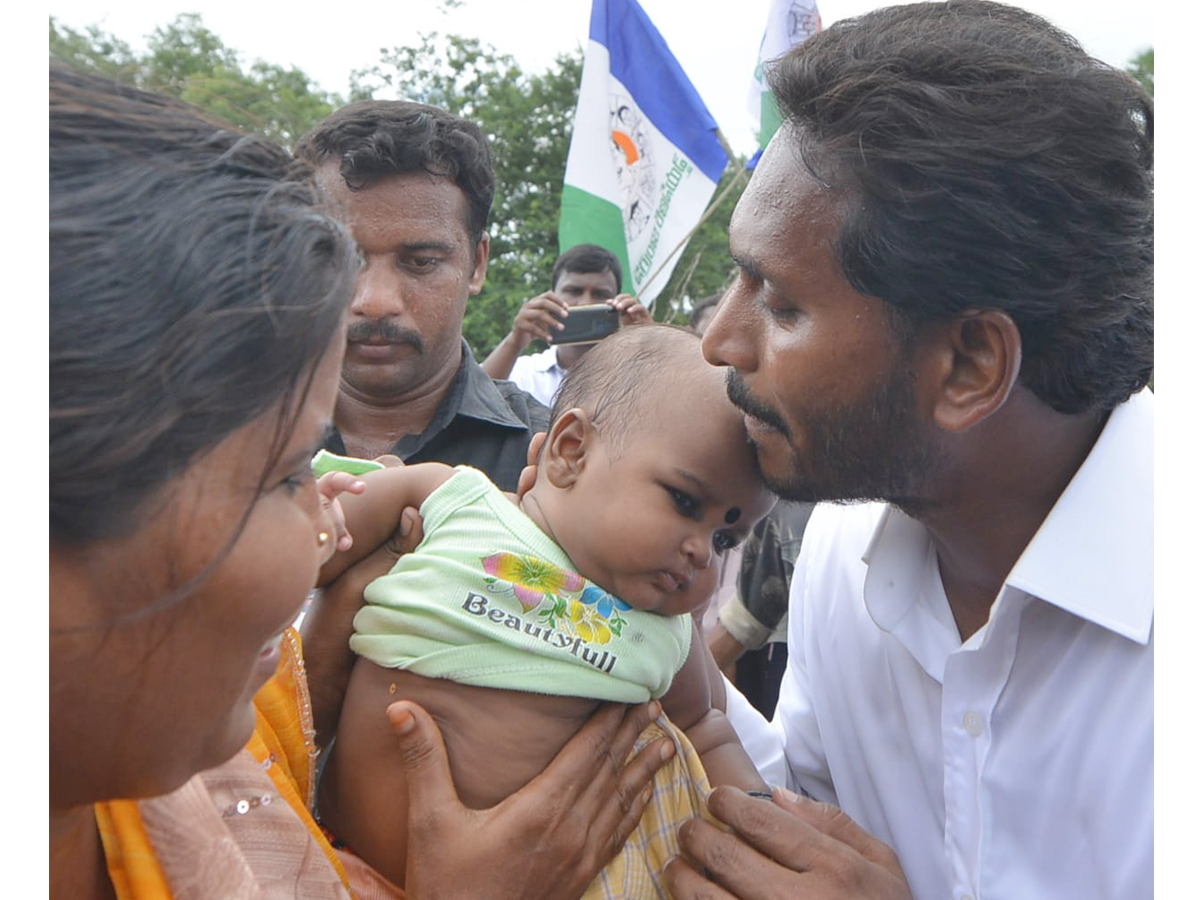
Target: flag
point(645, 157)
point(789, 22)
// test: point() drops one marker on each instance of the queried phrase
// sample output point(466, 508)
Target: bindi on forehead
point(732, 515)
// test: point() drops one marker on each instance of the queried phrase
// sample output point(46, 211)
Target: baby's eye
point(687, 505)
point(724, 541)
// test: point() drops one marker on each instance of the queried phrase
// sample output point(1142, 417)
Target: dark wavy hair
point(585, 259)
point(988, 163)
point(194, 287)
point(378, 138)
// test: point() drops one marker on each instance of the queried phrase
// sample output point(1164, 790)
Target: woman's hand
point(545, 842)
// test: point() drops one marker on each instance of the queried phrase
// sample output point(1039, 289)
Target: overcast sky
point(715, 42)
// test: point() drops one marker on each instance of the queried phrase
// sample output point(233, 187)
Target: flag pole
point(738, 177)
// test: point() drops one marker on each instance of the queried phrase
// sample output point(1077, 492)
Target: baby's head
point(646, 477)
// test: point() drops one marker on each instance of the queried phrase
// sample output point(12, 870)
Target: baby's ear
point(535, 448)
point(566, 446)
point(528, 477)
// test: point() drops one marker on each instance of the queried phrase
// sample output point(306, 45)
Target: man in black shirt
point(414, 185)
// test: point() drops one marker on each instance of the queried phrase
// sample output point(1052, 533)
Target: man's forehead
point(334, 189)
point(432, 209)
point(778, 179)
point(782, 193)
point(329, 181)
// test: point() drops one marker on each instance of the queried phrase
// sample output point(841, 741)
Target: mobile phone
point(587, 324)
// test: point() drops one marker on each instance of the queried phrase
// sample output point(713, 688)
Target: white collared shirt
point(1017, 764)
point(539, 374)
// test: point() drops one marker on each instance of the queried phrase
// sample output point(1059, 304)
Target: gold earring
point(322, 538)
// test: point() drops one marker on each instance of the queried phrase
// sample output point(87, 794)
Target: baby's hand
point(329, 486)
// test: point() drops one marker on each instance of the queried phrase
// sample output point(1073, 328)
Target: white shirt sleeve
point(761, 741)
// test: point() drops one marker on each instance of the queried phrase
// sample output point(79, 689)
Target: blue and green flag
point(645, 156)
point(789, 22)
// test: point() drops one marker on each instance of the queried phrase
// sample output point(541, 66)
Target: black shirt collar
point(472, 394)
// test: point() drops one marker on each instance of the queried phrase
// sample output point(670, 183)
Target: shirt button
point(973, 723)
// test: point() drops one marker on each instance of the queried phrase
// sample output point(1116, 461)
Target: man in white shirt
point(945, 303)
point(586, 274)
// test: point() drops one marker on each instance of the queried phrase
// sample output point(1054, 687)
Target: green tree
point(186, 60)
point(185, 50)
point(92, 50)
point(527, 118)
point(1141, 67)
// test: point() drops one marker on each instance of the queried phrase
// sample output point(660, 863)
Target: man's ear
point(479, 272)
point(566, 447)
point(977, 363)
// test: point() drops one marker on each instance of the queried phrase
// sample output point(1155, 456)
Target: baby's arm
point(374, 514)
point(695, 703)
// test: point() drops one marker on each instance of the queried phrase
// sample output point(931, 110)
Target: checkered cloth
point(680, 791)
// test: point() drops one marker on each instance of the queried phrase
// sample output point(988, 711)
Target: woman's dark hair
point(987, 162)
point(193, 288)
point(377, 138)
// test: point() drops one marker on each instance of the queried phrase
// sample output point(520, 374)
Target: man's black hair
point(378, 138)
point(987, 162)
point(586, 258)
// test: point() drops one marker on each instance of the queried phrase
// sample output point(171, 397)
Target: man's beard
point(870, 450)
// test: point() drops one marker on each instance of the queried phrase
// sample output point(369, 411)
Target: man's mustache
point(384, 331)
point(739, 396)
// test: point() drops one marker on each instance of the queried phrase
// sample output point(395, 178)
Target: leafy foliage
point(1141, 67)
point(93, 50)
point(188, 61)
point(526, 116)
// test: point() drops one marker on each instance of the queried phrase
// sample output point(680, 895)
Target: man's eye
point(780, 312)
point(420, 263)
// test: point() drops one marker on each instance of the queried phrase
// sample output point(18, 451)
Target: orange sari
point(244, 829)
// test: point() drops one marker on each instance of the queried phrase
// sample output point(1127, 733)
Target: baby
point(516, 617)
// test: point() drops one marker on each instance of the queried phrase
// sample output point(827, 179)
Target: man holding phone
point(586, 275)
